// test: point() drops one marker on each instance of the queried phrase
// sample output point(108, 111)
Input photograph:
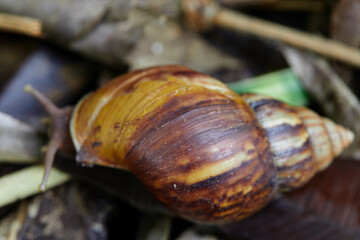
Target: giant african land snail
point(208, 154)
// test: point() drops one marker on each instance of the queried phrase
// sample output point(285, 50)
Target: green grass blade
point(25, 182)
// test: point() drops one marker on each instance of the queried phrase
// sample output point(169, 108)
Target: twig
point(201, 14)
point(307, 6)
point(19, 24)
point(245, 2)
point(25, 183)
point(18, 221)
point(276, 5)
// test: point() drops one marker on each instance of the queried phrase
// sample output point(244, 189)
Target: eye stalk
point(59, 131)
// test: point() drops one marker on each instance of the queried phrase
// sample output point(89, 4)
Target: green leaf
point(282, 85)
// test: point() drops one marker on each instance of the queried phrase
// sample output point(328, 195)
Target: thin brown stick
point(307, 6)
point(203, 13)
point(19, 24)
point(18, 222)
point(276, 5)
point(323, 46)
point(245, 2)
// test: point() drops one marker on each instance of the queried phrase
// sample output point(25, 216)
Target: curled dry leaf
point(19, 142)
point(325, 86)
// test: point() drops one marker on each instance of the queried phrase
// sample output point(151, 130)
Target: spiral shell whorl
point(302, 143)
point(196, 145)
point(208, 154)
point(327, 138)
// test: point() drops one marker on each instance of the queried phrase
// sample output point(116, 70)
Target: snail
point(209, 154)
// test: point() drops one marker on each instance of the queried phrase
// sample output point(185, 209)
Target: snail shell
point(208, 154)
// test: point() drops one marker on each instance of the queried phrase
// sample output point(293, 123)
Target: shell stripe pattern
point(289, 140)
point(195, 143)
point(199, 148)
point(328, 139)
point(302, 143)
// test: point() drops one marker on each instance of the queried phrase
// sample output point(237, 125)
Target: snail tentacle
point(59, 131)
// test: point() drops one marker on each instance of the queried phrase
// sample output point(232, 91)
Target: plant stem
point(293, 5)
point(203, 13)
point(328, 48)
point(19, 24)
point(245, 2)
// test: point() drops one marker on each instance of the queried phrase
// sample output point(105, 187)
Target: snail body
point(208, 154)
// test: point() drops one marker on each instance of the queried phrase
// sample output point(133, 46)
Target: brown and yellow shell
point(208, 154)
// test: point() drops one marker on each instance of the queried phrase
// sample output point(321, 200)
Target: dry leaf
point(19, 142)
point(124, 39)
point(69, 212)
